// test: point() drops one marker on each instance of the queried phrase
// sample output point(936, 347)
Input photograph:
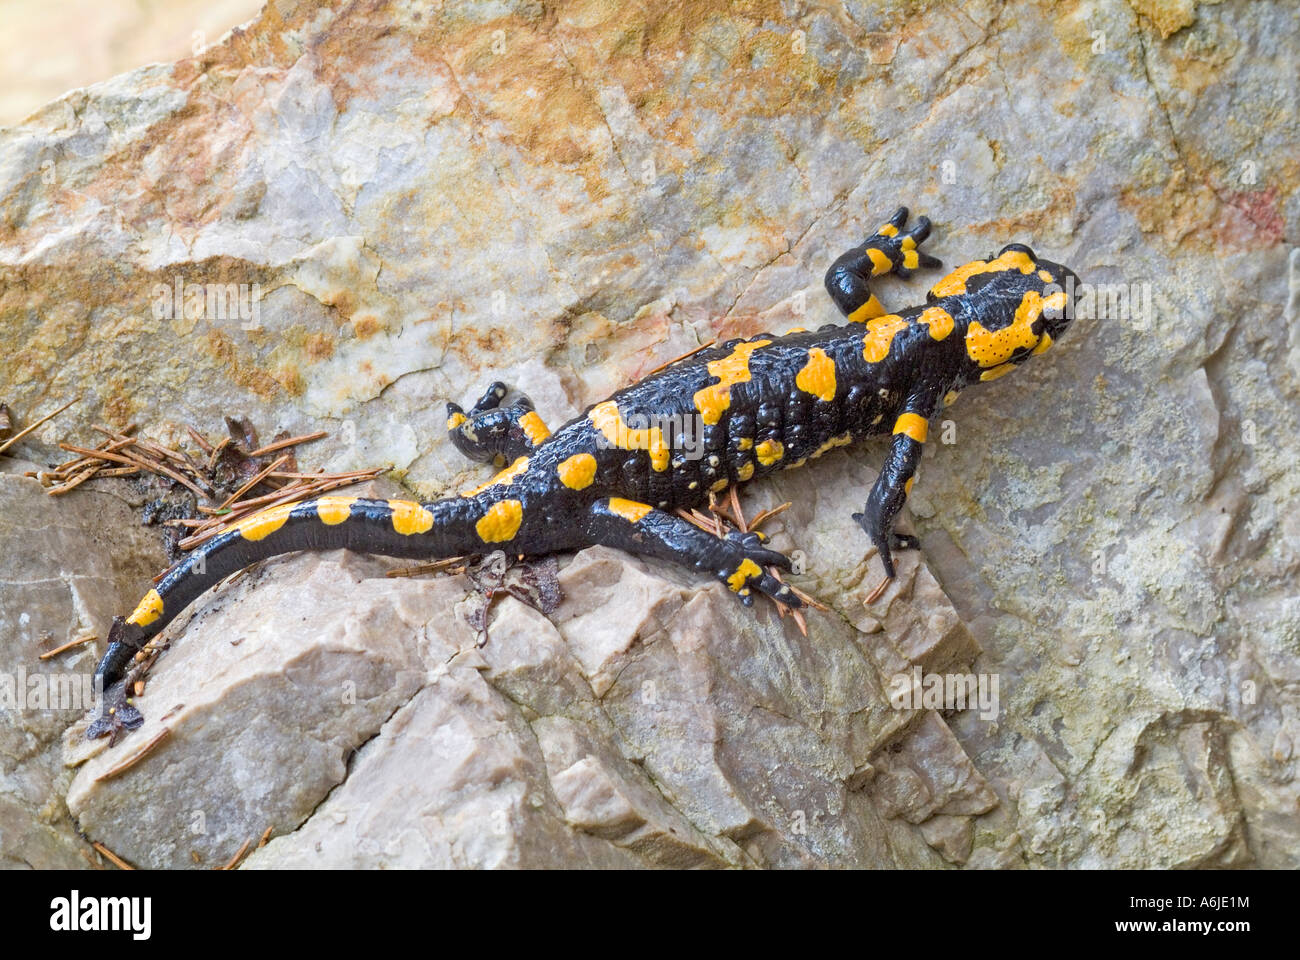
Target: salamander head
point(1024, 306)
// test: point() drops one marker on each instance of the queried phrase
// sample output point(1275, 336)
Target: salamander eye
point(1018, 248)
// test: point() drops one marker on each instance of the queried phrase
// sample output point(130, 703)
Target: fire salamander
point(731, 413)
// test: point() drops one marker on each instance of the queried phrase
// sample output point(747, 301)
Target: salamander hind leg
point(738, 560)
point(492, 433)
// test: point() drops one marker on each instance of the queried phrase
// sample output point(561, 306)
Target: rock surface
point(566, 195)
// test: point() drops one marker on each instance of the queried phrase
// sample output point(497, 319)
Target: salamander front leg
point(739, 560)
point(491, 433)
point(889, 250)
point(890, 493)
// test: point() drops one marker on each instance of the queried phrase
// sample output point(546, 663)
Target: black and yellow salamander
point(731, 413)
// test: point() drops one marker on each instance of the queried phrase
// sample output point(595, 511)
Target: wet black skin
point(869, 397)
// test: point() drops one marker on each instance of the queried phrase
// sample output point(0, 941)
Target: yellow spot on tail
point(719, 485)
point(629, 510)
point(950, 398)
point(769, 452)
point(748, 568)
point(744, 443)
point(938, 320)
point(264, 524)
point(913, 425)
point(148, 610)
point(910, 258)
point(797, 330)
point(872, 308)
point(991, 348)
point(879, 335)
point(1044, 344)
point(606, 418)
point(577, 471)
point(410, 518)
point(455, 420)
point(907, 487)
point(888, 230)
point(955, 282)
point(879, 262)
point(501, 522)
point(535, 429)
point(506, 476)
point(745, 472)
point(818, 376)
point(334, 510)
point(713, 400)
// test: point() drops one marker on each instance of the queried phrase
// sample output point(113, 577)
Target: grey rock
point(63, 574)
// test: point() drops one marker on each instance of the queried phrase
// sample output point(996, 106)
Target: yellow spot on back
point(264, 524)
point(506, 476)
point(334, 510)
point(1044, 344)
point(629, 510)
point(950, 398)
point(744, 443)
point(879, 262)
point(818, 376)
point(745, 472)
point(713, 400)
point(455, 420)
point(872, 308)
point(148, 610)
point(410, 518)
point(955, 282)
point(748, 568)
point(913, 425)
point(769, 452)
point(606, 418)
point(535, 429)
point(719, 485)
point(938, 320)
point(501, 522)
point(879, 335)
point(1046, 277)
point(577, 471)
point(907, 487)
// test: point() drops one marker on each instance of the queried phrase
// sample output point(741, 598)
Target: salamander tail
point(394, 528)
